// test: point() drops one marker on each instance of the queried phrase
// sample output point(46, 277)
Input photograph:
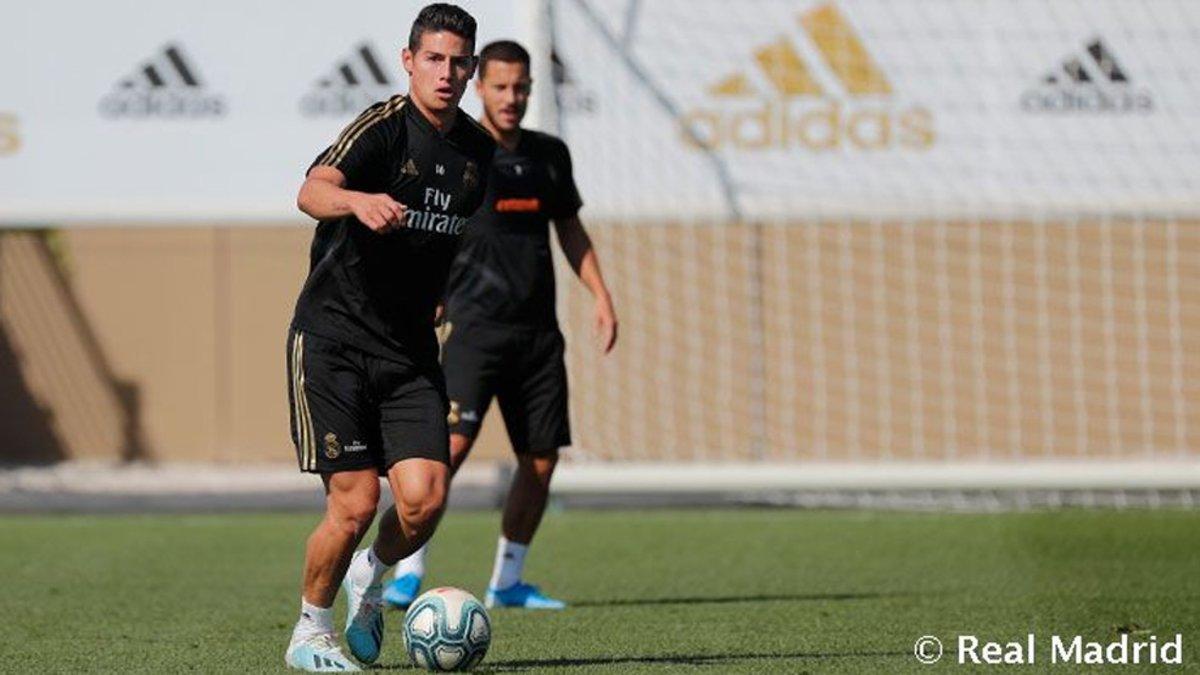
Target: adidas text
point(831, 126)
point(1087, 100)
point(161, 104)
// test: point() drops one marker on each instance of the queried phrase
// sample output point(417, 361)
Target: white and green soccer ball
point(447, 629)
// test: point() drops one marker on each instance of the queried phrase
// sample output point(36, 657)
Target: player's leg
point(528, 495)
point(460, 448)
point(351, 498)
point(410, 571)
point(470, 361)
point(412, 423)
point(350, 501)
point(534, 405)
point(324, 392)
point(419, 486)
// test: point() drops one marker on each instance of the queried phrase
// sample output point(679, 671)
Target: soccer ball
point(447, 629)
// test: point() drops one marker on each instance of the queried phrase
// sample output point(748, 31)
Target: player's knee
point(538, 468)
point(423, 506)
point(352, 500)
point(353, 514)
point(420, 515)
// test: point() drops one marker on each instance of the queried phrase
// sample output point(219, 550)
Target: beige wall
point(876, 339)
point(194, 318)
point(58, 398)
point(780, 341)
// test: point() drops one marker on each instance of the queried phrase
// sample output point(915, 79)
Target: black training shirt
point(378, 292)
point(503, 271)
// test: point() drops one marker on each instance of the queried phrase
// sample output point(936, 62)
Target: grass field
point(653, 591)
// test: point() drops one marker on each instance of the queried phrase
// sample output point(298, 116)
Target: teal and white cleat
point(521, 594)
point(401, 592)
point(319, 654)
point(364, 619)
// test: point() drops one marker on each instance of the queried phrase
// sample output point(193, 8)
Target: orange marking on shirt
point(514, 205)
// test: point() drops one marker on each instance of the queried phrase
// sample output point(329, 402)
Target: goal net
point(955, 239)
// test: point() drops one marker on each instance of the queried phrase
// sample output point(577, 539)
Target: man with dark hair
point(440, 17)
point(392, 195)
point(503, 337)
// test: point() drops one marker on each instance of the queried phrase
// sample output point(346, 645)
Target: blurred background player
point(502, 335)
point(392, 195)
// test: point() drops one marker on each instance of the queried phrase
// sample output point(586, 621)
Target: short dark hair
point(502, 50)
point(441, 16)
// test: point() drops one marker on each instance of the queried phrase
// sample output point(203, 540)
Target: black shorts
point(523, 368)
point(351, 410)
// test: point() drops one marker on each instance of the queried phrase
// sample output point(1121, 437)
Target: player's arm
point(324, 196)
point(346, 178)
point(577, 247)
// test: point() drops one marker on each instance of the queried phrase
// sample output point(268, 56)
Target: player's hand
point(379, 212)
point(604, 324)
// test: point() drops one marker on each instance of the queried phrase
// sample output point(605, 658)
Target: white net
point(923, 230)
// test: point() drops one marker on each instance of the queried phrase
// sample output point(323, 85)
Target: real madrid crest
point(470, 176)
point(332, 449)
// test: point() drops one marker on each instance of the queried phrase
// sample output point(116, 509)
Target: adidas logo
point(354, 83)
point(1091, 82)
point(166, 86)
point(783, 102)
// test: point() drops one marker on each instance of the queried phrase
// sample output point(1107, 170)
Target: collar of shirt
point(426, 126)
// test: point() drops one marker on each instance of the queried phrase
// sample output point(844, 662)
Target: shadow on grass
point(733, 599)
point(698, 660)
point(716, 660)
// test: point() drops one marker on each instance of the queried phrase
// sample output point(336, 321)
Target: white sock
point(413, 564)
point(510, 562)
point(365, 568)
point(313, 621)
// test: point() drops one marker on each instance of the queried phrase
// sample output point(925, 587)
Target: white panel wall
point(961, 118)
point(254, 113)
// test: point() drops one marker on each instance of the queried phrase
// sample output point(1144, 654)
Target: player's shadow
point(698, 660)
point(734, 599)
point(515, 665)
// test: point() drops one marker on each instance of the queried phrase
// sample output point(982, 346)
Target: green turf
point(653, 591)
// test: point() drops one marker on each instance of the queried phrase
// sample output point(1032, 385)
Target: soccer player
point(392, 194)
point(503, 338)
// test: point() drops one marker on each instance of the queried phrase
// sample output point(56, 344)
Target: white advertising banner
point(127, 111)
point(784, 108)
